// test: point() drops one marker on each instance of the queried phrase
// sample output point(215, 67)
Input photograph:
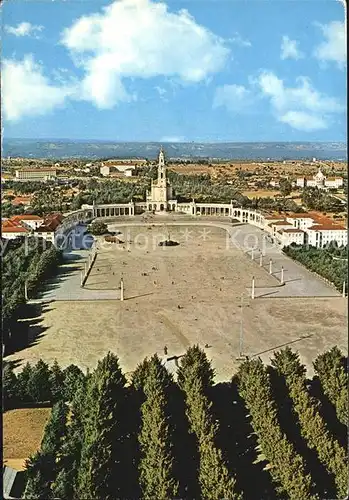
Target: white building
point(287, 236)
point(105, 170)
point(128, 172)
point(320, 235)
point(36, 174)
point(320, 181)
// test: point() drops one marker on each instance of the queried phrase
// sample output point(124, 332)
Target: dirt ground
point(23, 430)
point(180, 296)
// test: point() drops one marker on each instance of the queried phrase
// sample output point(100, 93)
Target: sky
point(176, 71)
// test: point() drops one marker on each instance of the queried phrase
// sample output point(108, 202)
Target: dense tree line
point(312, 426)
point(31, 261)
point(109, 438)
point(39, 383)
point(318, 199)
point(330, 262)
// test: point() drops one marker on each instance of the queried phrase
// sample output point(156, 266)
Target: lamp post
point(241, 356)
point(282, 275)
point(270, 266)
point(122, 289)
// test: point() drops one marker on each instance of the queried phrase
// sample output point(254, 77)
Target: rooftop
point(292, 230)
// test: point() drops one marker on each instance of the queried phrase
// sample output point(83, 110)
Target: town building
point(35, 174)
point(107, 170)
point(320, 181)
point(32, 225)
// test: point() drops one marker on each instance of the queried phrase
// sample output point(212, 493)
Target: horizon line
point(169, 142)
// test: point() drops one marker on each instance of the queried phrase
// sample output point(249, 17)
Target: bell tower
point(162, 181)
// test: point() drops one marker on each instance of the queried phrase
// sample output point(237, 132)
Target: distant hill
point(64, 148)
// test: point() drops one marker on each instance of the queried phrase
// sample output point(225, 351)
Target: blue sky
point(195, 70)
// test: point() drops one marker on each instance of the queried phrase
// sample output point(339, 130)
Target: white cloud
point(24, 29)
point(233, 97)
point(302, 107)
point(301, 120)
point(289, 49)
point(26, 91)
point(138, 38)
point(334, 48)
point(236, 39)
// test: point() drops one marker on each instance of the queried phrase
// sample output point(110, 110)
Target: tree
point(68, 463)
point(73, 377)
point(39, 472)
point(195, 361)
point(98, 228)
point(55, 429)
point(312, 425)
point(101, 473)
point(23, 381)
point(285, 187)
point(195, 377)
point(155, 438)
point(39, 387)
point(9, 385)
point(287, 468)
point(56, 382)
point(329, 367)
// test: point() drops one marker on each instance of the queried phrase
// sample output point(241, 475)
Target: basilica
point(160, 197)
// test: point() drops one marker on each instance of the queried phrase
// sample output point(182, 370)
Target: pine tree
point(312, 425)
point(100, 474)
point(155, 438)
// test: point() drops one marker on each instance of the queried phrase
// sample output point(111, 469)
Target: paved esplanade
point(299, 282)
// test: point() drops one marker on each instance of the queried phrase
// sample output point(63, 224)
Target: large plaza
point(184, 295)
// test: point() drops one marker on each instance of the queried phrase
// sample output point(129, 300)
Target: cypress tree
point(23, 381)
point(73, 377)
point(330, 368)
point(39, 474)
point(65, 485)
point(286, 467)
point(56, 380)
point(195, 377)
point(312, 425)
point(155, 438)
point(39, 387)
point(101, 474)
